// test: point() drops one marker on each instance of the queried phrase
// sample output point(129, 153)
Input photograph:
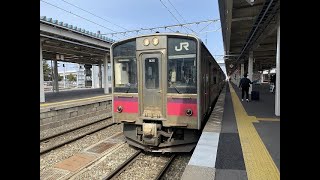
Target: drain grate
point(75, 162)
point(53, 174)
point(101, 147)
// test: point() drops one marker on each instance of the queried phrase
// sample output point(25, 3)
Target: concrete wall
point(52, 117)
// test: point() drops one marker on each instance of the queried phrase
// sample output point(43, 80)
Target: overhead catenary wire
point(79, 16)
point(172, 14)
point(165, 27)
point(94, 14)
point(204, 27)
point(177, 11)
point(182, 18)
point(209, 31)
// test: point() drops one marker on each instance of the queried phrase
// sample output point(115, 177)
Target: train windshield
point(125, 68)
point(182, 66)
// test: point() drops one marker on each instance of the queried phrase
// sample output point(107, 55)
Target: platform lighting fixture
point(251, 2)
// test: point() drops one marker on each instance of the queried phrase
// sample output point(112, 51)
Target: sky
point(123, 15)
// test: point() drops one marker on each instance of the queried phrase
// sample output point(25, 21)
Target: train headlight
point(119, 109)
point(155, 41)
point(189, 112)
point(146, 42)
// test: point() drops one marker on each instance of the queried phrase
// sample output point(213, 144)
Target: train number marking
point(182, 44)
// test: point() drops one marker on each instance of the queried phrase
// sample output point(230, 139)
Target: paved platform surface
point(230, 163)
point(66, 95)
point(249, 144)
point(268, 126)
point(265, 107)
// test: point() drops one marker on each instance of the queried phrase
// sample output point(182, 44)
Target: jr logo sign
point(185, 45)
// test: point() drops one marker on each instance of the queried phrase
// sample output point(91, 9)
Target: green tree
point(60, 78)
point(47, 71)
point(71, 77)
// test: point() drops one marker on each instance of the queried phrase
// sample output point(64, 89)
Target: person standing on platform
point(244, 85)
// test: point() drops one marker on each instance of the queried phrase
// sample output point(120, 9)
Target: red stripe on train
point(179, 109)
point(128, 106)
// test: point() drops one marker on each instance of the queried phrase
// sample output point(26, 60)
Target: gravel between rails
point(71, 135)
point(51, 158)
point(53, 131)
point(177, 166)
point(146, 167)
point(106, 164)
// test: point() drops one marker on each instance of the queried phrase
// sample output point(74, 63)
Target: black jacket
point(245, 82)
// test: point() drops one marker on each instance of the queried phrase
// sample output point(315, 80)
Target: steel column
point(42, 97)
point(277, 96)
point(106, 80)
point(56, 75)
point(250, 69)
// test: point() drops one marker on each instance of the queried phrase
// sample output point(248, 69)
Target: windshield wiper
point(177, 90)
point(128, 89)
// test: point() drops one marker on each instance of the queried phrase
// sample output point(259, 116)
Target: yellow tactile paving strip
point(72, 101)
point(268, 119)
point(258, 162)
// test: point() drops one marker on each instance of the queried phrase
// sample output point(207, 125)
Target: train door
point(151, 98)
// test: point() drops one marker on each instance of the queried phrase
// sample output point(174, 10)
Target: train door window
point(152, 73)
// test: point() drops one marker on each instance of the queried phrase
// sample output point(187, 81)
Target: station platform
point(241, 140)
point(71, 109)
point(65, 95)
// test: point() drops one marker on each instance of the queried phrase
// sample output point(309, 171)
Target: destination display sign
point(180, 46)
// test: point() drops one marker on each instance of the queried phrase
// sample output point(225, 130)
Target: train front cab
point(156, 80)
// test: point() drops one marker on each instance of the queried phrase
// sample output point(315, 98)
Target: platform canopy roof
point(249, 25)
point(65, 42)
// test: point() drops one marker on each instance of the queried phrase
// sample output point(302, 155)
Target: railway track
point(132, 168)
point(69, 136)
point(70, 130)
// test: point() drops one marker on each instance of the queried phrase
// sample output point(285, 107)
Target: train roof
point(162, 34)
point(171, 34)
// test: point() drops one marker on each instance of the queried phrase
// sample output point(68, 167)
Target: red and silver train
point(164, 86)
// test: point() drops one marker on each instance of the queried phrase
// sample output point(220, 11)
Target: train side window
point(125, 67)
point(125, 74)
point(214, 80)
point(182, 72)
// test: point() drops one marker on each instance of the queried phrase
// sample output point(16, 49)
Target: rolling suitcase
point(255, 95)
